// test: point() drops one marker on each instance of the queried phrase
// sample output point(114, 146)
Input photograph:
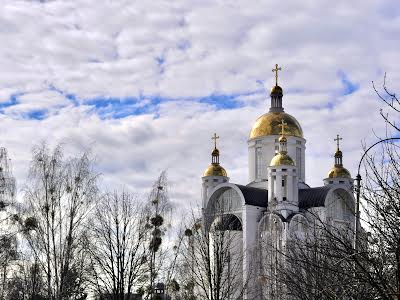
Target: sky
point(145, 84)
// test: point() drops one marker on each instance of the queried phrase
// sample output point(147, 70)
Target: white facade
point(277, 204)
point(263, 149)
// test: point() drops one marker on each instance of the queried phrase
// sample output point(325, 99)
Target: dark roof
point(313, 197)
point(254, 196)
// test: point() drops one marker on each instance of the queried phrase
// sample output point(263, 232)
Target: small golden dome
point(339, 172)
point(215, 152)
point(338, 153)
point(268, 124)
point(215, 170)
point(283, 139)
point(282, 159)
point(276, 90)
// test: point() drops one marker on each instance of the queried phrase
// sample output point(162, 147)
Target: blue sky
point(148, 85)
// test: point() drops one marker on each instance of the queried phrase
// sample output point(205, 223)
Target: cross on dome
point(215, 137)
point(283, 127)
point(276, 73)
point(215, 169)
point(337, 140)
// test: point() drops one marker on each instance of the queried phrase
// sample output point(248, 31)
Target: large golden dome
point(268, 124)
point(215, 170)
point(339, 172)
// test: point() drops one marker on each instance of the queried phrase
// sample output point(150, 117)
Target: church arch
point(227, 201)
point(221, 188)
point(227, 222)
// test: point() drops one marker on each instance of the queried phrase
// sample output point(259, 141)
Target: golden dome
point(339, 172)
point(215, 170)
point(268, 124)
point(283, 139)
point(276, 89)
point(282, 159)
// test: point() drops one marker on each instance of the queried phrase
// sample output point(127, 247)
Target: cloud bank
point(146, 84)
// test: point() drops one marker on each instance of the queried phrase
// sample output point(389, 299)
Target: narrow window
point(299, 162)
point(259, 163)
point(284, 192)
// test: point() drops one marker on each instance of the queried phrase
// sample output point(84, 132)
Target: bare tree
point(116, 242)
point(8, 254)
point(381, 205)
point(59, 196)
point(26, 283)
point(211, 263)
point(381, 202)
point(159, 210)
point(314, 263)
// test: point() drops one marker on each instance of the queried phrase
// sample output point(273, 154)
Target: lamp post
point(358, 187)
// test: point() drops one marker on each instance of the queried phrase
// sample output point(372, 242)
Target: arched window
point(227, 222)
point(223, 201)
point(298, 227)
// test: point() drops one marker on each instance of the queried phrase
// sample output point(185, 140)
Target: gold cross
point(283, 124)
point(276, 73)
point(338, 139)
point(215, 137)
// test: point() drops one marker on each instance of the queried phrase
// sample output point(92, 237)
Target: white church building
point(276, 201)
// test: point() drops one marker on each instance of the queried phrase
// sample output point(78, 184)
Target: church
point(276, 202)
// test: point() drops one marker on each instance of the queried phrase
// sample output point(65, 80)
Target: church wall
point(272, 242)
point(340, 205)
point(250, 216)
point(230, 242)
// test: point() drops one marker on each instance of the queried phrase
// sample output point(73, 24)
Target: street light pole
point(358, 188)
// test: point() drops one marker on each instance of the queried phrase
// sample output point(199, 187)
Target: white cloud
point(113, 49)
